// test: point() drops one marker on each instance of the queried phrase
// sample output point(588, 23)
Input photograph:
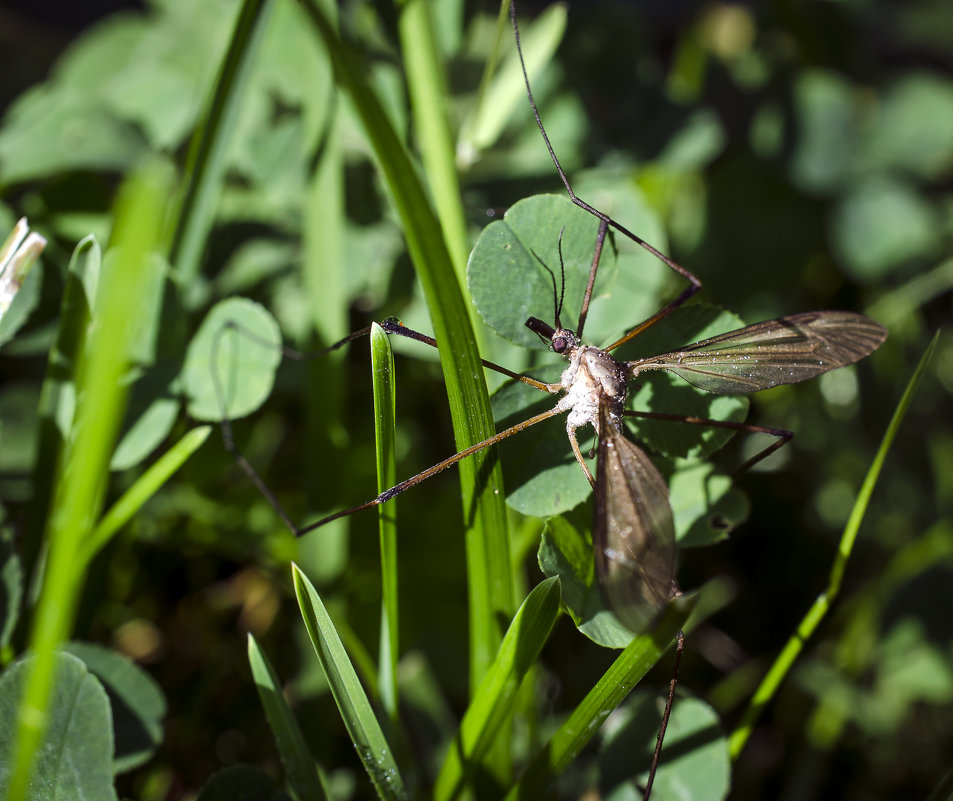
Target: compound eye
point(560, 344)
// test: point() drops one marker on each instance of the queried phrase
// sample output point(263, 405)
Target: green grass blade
point(426, 83)
point(56, 395)
point(494, 701)
point(304, 774)
point(349, 695)
point(506, 91)
point(81, 484)
point(792, 649)
point(385, 430)
point(616, 683)
point(210, 144)
point(490, 584)
point(142, 490)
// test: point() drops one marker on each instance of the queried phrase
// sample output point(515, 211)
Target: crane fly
point(633, 529)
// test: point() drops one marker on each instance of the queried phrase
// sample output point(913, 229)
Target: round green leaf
point(565, 550)
point(705, 504)
point(231, 361)
point(881, 225)
point(509, 269)
point(137, 703)
point(912, 129)
point(826, 110)
point(75, 757)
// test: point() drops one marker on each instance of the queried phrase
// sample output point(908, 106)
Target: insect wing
point(633, 530)
point(763, 355)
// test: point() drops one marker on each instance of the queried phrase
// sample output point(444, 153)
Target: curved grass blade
point(56, 395)
point(769, 685)
point(493, 703)
point(142, 490)
point(426, 84)
point(304, 774)
point(352, 702)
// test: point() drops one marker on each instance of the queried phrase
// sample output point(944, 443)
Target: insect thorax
point(592, 378)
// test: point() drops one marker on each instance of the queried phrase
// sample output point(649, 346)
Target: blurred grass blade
point(944, 790)
point(349, 695)
point(466, 154)
point(897, 306)
point(610, 691)
point(769, 685)
point(304, 774)
point(56, 396)
point(426, 83)
point(206, 162)
point(142, 490)
point(385, 430)
point(81, 484)
point(507, 91)
point(494, 701)
point(488, 554)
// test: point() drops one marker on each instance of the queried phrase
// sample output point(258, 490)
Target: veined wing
point(763, 355)
point(633, 531)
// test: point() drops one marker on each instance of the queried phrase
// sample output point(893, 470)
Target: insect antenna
point(562, 276)
point(557, 299)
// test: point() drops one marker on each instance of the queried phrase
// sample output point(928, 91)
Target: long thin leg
point(694, 283)
point(571, 433)
point(596, 255)
point(679, 648)
point(784, 436)
point(387, 494)
point(391, 326)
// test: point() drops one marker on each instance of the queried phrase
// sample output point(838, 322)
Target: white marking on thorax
point(592, 375)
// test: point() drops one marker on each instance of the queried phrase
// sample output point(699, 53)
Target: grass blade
point(616, 683)
point(494, 701)
point(770, 683)
point(490, 583)
point(81, 484)
point(501, 97)
point(145, 487)
point(385, 431)
point(79, 294)
point(211, 141)
point(349, 695)
point(304, 774)
point(426, 83)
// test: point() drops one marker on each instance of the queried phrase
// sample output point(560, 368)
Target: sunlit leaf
point(231, 362)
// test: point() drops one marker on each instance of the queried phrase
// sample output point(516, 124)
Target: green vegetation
point(303, 169)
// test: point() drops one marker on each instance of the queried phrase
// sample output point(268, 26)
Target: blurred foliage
point(799, 156)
